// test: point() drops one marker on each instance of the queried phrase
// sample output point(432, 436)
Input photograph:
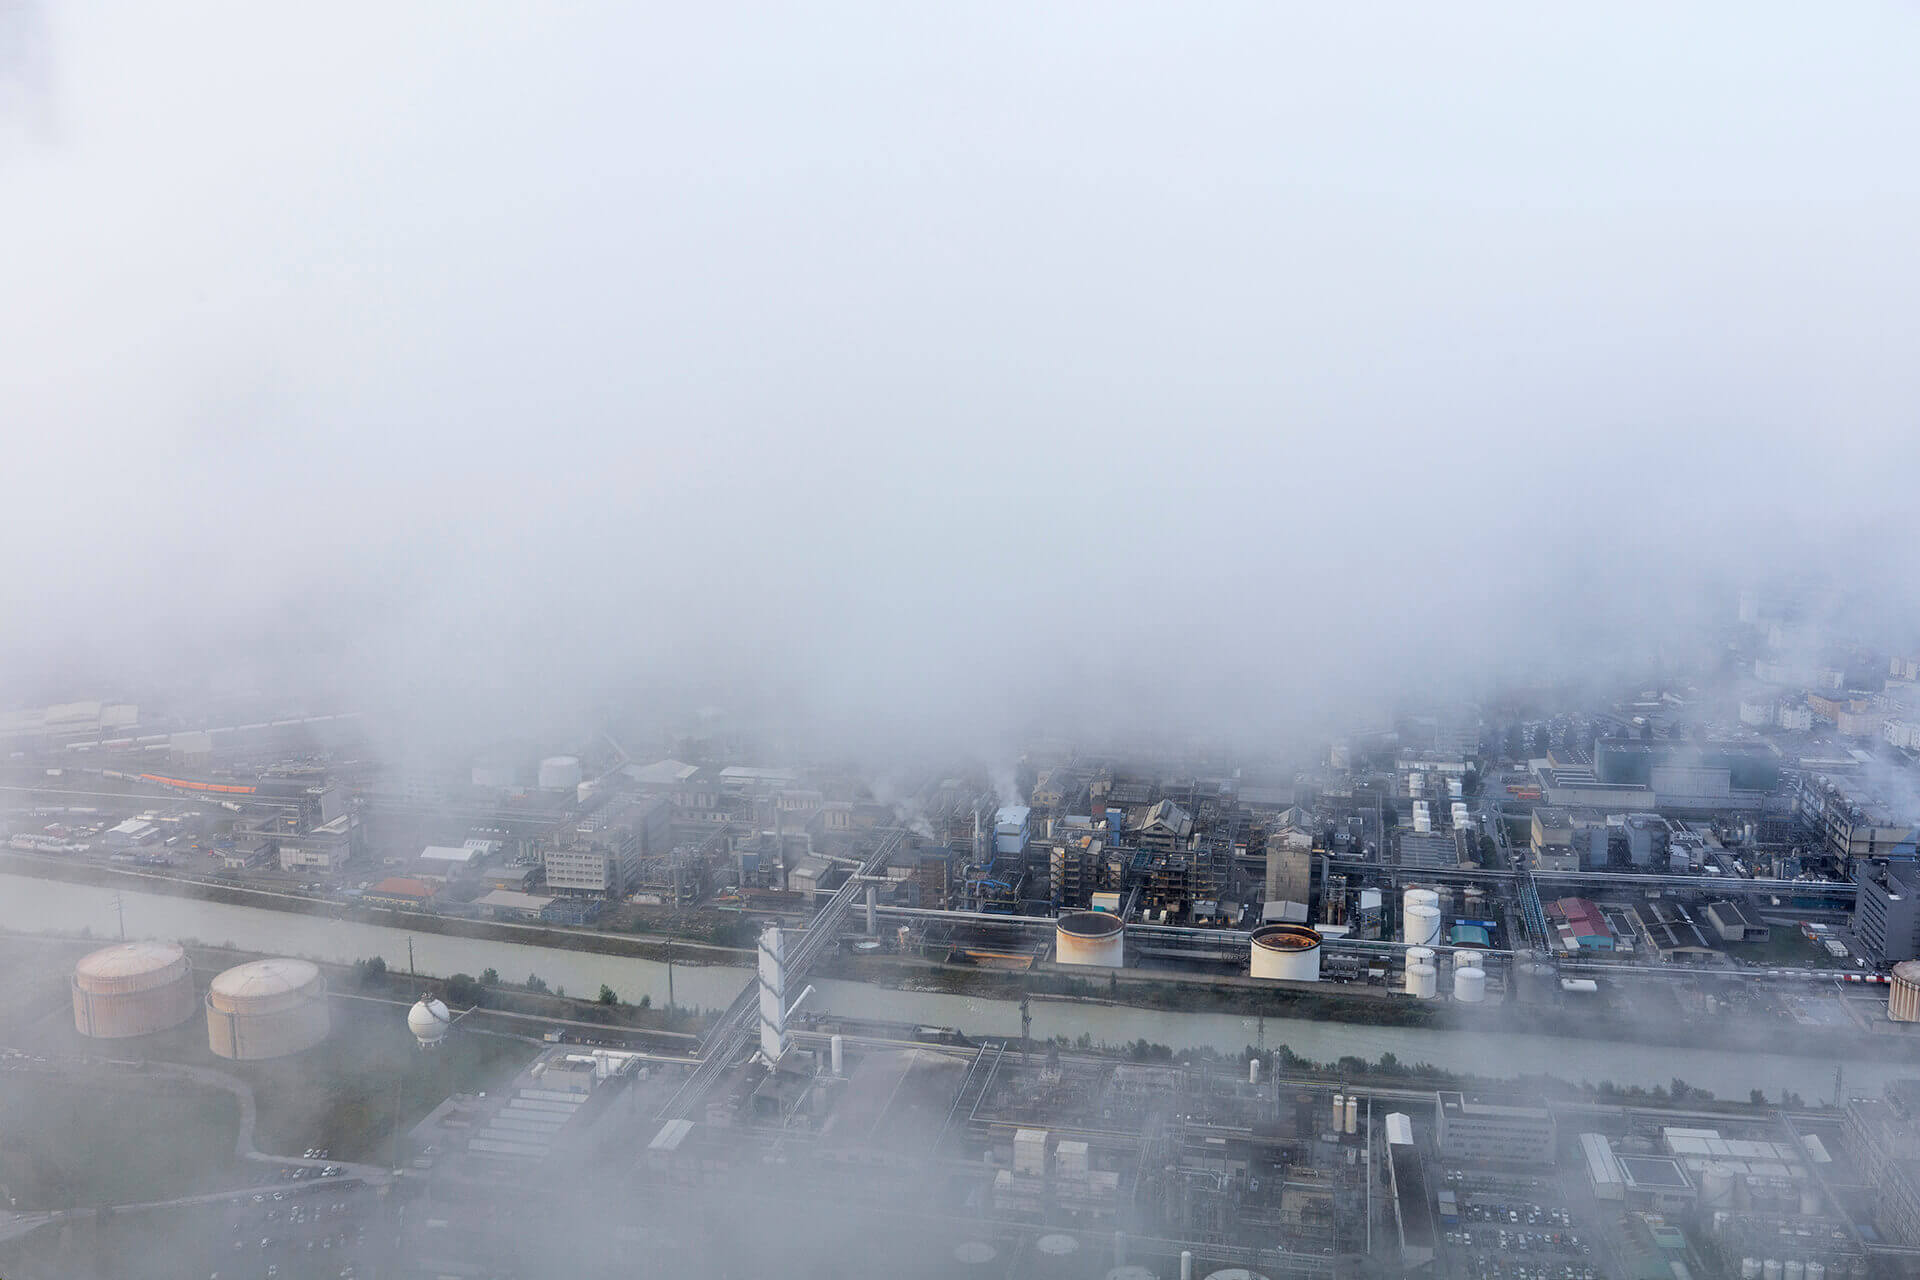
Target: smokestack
point(873, 898)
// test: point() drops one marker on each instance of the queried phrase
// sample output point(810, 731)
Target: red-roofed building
point(401, 891)
point(1580, 925)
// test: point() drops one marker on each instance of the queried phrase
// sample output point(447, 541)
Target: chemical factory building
point(132, 989)
point(267, 1009)
point(1483, 1131)
point(1412, 1205)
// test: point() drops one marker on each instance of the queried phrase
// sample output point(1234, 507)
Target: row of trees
point(465, 989)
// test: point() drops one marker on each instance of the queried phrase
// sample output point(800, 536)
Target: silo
point(132, 989)
point(1469, 984)
point(1287, 951)
point(1423, 980)
point(1090, 938)
point(1716, 1186)
point(1903, 995)
point(1420, 924)
point(560, 773)
point(267, 1009)
point(1353, 1115)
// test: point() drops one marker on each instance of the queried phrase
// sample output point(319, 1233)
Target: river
point(28, 905)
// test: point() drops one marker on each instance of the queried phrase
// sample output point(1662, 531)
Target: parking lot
point(1512, 1227)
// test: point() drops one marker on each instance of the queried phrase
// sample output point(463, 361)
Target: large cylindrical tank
point(1469, 984)
point(1421, 955)
point(1903, 994)
point(560, 773)
point(1795, 1270)
point(132, 989)
point(1288, 951)
point(1353, 1115)
point(1421, 924)
point(1423, 980)
point(1770, 1269)
point(1816, 1271)
point(1749, 1269)
point(1339, 1112)
point(1058, 1254)
point(1716, 1186)
point(1090, 937)
point(267, 1009)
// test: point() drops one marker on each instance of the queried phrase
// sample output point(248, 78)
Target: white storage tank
point(1090, 937)
point(1903, 994)
point(1420, 955)
point(1816, 1271)
point(1796, 1269)
point(1286, 951)
point(1716, 1186)
point(1421, 924)
point(1059, 1254)
point(975, 1257)
point(267, 1009)
point(132, 989)
point(429, 1021)
point(1353, 1115)
point(560, 773)
point(1469, 984)
point(1423, 980)
point(1749, 1269)
point(1770, 1269)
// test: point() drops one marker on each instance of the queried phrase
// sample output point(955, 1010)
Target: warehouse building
point(1492, 1133)
point(1731, 921)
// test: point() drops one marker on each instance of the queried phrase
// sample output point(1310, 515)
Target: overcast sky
point(909, 362)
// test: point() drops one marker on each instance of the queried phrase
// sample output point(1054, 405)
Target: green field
point(342, 1095)
point(69, 1143)
point(1785, 949)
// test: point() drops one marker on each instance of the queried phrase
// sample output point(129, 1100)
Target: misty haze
point(1124, 642)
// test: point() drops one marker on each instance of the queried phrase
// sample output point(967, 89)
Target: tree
point(463, 989)
point(1646, 731)
point(535, 983)
point(1489, 851)
point(646, 1002)
point(607, 996)
point(371, 972)
point(1470, 782)
point(489, 977)
point(1516, 742)
point(1758, 1097)
point(1541, 742)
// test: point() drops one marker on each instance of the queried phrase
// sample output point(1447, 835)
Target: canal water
point(28, 905)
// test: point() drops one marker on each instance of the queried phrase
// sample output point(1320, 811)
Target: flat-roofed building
point(1412, 1202)
point(1732, 922)
point(1492, 1133)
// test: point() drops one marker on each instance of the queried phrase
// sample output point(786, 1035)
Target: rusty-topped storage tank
point(1289, 951)
point(132, 989)
point(1903, 994)
point(267, 1009)
point(1090, 937)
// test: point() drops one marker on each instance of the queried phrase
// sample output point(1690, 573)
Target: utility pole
point(1026, 1024)
point(411, 972)
point(669, 973)
point(120, 909)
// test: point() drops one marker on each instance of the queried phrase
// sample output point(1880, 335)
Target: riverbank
point(633, 968)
